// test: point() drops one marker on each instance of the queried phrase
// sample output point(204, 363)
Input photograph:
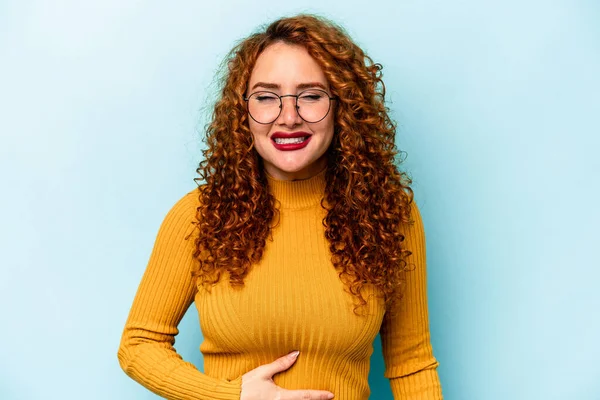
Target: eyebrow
point(307, 85)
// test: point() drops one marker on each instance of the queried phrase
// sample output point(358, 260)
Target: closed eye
point(265, 98)
point(311, 97)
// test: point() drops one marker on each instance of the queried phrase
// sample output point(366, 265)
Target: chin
point(290, 169)
point(288, 165)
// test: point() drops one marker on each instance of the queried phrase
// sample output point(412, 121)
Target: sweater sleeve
point(405, 337)
point(166, 291)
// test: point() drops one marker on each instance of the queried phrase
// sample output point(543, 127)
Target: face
point(288, 69)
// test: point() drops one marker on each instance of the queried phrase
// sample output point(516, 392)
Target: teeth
point(289, 140)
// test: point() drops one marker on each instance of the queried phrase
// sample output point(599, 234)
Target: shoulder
point(413, 230)
point(415, 214)
point(181, 217)
point(188, 203)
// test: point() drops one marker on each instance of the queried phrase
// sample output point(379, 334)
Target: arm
point(146, 352)
point(405, 338)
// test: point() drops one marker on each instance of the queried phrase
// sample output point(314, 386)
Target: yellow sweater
point(293, 299)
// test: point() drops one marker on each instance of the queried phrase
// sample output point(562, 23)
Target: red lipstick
point(286, 144)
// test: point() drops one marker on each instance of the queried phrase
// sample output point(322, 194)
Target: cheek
point(328, 130)
point(260, 135)
point(258, 130)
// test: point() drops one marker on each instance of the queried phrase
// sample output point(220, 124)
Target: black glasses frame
point(246, 99)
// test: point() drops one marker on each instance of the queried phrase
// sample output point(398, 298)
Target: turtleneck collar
point(296, 194)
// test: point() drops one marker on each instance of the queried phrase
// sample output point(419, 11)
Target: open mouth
point(295, 140)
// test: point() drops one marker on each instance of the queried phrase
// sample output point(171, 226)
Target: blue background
point(102, 104)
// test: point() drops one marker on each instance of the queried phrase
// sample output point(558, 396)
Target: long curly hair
point(367, 198)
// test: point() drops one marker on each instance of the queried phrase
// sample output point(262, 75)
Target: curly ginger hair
point(367, 199)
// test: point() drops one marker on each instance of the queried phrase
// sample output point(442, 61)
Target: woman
point(303, 243)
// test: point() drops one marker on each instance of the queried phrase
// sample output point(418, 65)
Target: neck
point(300, 193)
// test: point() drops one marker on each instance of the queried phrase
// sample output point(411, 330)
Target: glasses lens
point(313, 105)
point(264, 107)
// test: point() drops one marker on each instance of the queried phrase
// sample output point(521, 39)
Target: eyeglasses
point(312, 105)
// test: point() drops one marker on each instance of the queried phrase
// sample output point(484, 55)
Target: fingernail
point(294, 354)
point(330, 396)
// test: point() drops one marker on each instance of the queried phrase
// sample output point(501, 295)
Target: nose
point(289, 115)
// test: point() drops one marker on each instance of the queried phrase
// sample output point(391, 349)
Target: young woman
point(302, 244)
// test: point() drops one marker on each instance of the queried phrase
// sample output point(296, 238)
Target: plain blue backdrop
point(102, 105)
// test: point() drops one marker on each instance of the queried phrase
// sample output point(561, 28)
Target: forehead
point(286, 65)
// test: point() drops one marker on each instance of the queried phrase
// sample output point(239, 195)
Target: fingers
point(265, 372)
point(279, 365)
point(305, 394)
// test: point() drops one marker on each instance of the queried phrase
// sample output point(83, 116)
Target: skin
point(258, 384)
point(288, 67)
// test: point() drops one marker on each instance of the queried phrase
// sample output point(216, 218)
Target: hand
point(258, 383)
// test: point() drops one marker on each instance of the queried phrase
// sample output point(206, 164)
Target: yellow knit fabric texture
point(293, 299)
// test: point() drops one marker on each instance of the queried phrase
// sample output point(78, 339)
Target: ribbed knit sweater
point(292, 299)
